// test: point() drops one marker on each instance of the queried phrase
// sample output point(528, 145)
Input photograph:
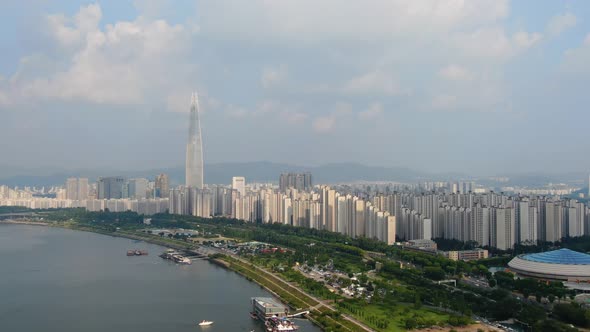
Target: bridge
point(303, 313)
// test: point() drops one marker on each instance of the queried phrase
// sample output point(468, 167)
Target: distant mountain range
point(221, 173)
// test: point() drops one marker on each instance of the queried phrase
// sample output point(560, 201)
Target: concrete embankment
point(19, 222)
point(220, 262)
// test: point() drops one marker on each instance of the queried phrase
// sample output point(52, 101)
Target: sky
point(473, 86)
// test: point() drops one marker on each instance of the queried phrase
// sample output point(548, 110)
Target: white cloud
point(375, 82)
point(494, 44)
point(122, 63)
point(307, 21)
point(271, 76)
point(575, 61)
point(72, 31)
point(374, 110)
point(324, 124)
point(327, 123)
point(524, 40)
point(560, 23)
point(455, 73)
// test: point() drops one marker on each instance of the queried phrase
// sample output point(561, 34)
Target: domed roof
point(561, 256)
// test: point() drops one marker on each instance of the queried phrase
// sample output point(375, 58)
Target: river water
point(62, 280)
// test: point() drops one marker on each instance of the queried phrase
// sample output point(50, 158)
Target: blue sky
point(482, 87)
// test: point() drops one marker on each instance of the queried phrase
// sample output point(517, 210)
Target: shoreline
point(218, 261)
point(215, 261)
point(16, 222)
point(230, 263)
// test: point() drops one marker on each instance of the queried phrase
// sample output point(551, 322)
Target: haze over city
point(479, 87)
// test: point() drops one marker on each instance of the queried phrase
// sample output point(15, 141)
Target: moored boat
point(276, 324)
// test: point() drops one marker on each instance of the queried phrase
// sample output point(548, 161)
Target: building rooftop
point(561, 256)
point(267, 302)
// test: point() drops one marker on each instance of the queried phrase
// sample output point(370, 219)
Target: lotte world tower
point(194, 148)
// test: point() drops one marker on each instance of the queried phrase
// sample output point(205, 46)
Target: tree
point(492, 283)
point(417, 301)
point(531, 314)
point(410, 323)
point(572, 313)
point(434, 273)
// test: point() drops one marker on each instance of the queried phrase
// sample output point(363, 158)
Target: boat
point(205, 323)
point(276, 324)
point(176, 257)
point(136, 252)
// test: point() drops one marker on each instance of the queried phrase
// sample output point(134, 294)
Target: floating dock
point(176, 257)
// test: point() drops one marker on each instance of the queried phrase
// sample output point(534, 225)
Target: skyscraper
point(239, 183)
point(299, 181)
point(110, 187)
point(194, 148)
point(135, 188)
point(161, 186)
point(77, 188)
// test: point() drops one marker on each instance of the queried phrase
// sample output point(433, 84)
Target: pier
point(176, 257)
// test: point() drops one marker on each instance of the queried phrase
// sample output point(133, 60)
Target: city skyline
point(463, 211)
point(375, 165)
point(484, 95)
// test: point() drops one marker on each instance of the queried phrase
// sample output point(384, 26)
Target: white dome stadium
point(562, 264)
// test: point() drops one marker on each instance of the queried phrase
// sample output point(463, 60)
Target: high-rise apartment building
point(110, 187)
point(553, 222)
point(239, 183)
point(527, 222)
point(162, 186)
point(504, 229)
point(135, 188)
point(299, 181)
point(194, 148)
point(77, 189)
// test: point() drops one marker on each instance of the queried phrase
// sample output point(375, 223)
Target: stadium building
point(565, 265)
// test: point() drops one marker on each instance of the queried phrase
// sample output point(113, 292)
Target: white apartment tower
point(77, 189)
point(239, 183)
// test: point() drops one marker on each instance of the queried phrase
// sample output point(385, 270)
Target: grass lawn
point(395, 316)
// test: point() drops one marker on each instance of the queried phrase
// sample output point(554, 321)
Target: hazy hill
point(221, 173)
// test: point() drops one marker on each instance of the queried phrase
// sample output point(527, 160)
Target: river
point(63, 280)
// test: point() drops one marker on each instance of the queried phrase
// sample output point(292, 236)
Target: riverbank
point(149, 238)
point(321, 314)
point(17, 222)
point(111, 291)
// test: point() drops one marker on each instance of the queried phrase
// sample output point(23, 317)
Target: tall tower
point(194, 148)
point(161, 187)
